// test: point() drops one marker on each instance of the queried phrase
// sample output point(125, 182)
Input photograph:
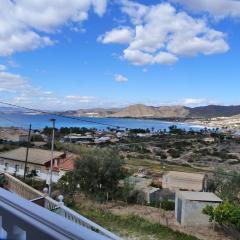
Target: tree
point(97, 173)
point(226, 185)
point(226, 213)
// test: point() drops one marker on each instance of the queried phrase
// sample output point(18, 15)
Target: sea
point(41, 121)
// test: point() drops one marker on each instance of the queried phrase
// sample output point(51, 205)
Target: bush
point(174, 153)
point(168, 205)
point(165, 204)
point(226, 213)
point(136, 197)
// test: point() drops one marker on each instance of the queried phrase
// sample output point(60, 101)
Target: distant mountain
point(214, 111)
point(9, 110)
point(143, 111)
point(140, 110)
point(93, 112)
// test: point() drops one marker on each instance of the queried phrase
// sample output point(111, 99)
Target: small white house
point(189, 206)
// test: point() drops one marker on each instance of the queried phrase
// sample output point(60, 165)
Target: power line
point(12, 121)
point(61, 115)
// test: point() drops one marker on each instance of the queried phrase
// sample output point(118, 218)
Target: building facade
point(13, 162)
point(189, 206)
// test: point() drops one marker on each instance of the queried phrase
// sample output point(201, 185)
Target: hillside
point(93, 112)
point(139, 110)
point(214, 111)
point(143, 111)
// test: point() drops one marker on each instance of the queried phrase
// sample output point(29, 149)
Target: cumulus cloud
point(217, 8)
point(117, 35)
point(25, 25)
point(120, 78)
point(161, 35)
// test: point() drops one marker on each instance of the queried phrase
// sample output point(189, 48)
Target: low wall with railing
point(21, 219)
point(15, 185)
point(21, 188)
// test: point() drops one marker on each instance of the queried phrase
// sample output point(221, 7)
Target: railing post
point(60, 199)
point(3, 233)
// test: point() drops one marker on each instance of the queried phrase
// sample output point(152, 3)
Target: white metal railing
point(21, 219)
point(73, 216)
point(27, 192)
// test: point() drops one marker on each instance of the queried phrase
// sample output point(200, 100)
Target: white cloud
point(120, 78)
point(17, 89)
point(194, 102)
point(2, 67)
point(217, 8)
point(11, 82)
point(81, 99)
point(162, 35)
point(25, 25)
point(117, 35)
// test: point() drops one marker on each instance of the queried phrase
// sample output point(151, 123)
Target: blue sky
point(99, 53)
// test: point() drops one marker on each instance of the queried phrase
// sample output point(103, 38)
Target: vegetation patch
point(132, 226)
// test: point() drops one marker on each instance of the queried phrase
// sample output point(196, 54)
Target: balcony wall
point(24, 220)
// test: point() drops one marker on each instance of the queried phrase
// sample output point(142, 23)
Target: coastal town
point(173, 174)
point(119, 120)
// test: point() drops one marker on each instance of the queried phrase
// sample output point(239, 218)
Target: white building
point(189, 206)
point(13, 161)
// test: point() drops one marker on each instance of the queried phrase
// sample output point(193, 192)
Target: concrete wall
point(192, 212)
point(176, 183)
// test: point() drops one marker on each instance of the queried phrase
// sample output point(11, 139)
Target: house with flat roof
point(174, 180)
point(189, 206)
point(13, 161)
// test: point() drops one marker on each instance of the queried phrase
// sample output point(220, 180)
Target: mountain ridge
point(144, 111)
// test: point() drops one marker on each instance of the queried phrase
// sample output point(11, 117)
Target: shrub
point(226, 213)
point(136, 196)
point(168, 205)
point(174, 153)
point(165, 204)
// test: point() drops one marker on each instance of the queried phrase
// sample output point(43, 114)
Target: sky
point(73, 54)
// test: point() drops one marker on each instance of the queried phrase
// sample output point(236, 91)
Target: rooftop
point(199, 196)
point(37, 156)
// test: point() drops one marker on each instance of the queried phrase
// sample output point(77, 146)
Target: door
point(179, 210)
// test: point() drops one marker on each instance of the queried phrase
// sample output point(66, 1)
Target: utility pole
point(52, 156)
point(28, 145)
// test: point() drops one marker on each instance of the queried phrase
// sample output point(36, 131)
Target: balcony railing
point(56, 208)
point(24, 220)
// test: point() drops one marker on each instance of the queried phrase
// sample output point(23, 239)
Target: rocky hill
point(142, 111)
point(214, 111)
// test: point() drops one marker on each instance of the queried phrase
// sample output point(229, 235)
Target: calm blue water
point(40, 121)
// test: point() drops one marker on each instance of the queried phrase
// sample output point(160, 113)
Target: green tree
point(226, 213)
point(97, 173)
point(226, 185)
